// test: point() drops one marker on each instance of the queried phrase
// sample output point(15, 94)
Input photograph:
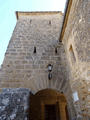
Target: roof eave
point(66, 15)
point(18, 13)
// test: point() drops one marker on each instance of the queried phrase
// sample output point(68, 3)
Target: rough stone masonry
point(14, 104)
point(76, 42)
point(22, 67)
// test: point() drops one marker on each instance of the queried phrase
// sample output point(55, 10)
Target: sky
point(8, 18)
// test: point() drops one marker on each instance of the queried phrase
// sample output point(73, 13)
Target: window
point(49, 22)
point(72, 54)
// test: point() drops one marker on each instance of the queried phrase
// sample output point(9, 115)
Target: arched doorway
point(48, 104)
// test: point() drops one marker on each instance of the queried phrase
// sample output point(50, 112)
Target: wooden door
point(51, 112)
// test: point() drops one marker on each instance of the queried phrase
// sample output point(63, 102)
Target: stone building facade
point(76, 39)
point(43, 38)
point(26, 69)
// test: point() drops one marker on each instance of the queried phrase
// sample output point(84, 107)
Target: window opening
point(72, 54)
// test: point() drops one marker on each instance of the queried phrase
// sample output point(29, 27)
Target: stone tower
point(30, 51)
point(33, 46)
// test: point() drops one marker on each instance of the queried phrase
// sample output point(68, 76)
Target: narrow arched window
point(72, 54)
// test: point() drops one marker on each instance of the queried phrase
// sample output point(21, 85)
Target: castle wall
point(14, 104)
point(24, 68)
point(77, 44)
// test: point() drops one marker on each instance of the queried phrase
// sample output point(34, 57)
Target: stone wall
point(77, 46)
point(14, 104)
point(24, 68)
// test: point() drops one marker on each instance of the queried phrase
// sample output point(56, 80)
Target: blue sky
point(8, 18)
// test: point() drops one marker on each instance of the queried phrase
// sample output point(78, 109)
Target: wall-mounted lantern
point(50, 70)
point(50, 67)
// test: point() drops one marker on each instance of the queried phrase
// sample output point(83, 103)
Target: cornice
point(22, 13)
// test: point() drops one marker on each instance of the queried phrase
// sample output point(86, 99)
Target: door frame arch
point(48, 97)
